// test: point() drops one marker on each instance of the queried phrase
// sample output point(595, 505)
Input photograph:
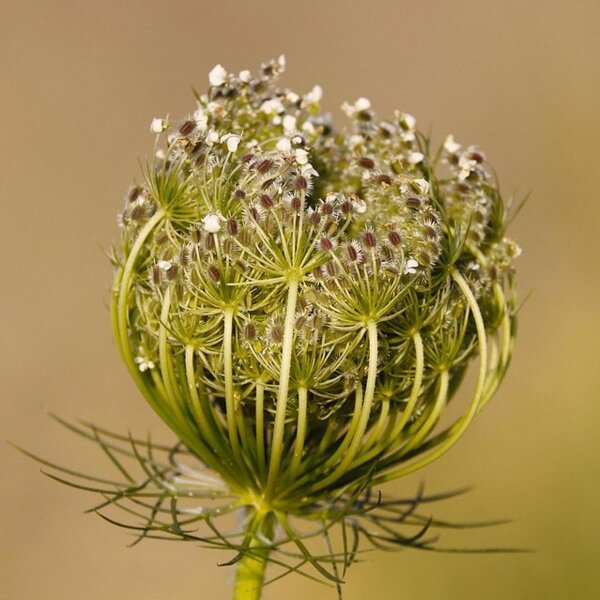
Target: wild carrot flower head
point(299, 304)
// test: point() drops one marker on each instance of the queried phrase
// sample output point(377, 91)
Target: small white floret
point(144, 363)
point(211, 223)
point(450, 145)
point(415, 158)
point(360, 206)
point(212, 137)
point(272, 106)
point(422, 184)
point(201, 119)
point(284, 145)
point(301, 156)
point(314, 96)
point(289, 124)
point(410, 266)
point(362, 104)
point(232, 141)
point(158, 125)
point(356, 140)
point(245, 76)
point(409, 121)
point(217, 76)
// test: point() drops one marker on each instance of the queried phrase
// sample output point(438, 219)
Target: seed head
point(299, 304)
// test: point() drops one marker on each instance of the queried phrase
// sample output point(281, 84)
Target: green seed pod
point(299, 305)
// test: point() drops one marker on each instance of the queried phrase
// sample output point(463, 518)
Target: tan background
point(80, 83)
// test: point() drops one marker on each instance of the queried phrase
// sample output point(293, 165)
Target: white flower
point(289, 124)
point(410, 266)
point(281, 61)
point(160, 154)
point(284, 145)
point(450, 145)
point(360, 206)
point(409, 121)
point(360, 105)
point(211, 223)
point(232, 140)
point(356, 140)
point(415, 158)
point(308, 127)
point(301, 156)
point(272, 106)
point(308, 171)
point(217, 76)
point(314, 96)
point(144, 363)
point(212, 137)
point(292, 97)
point(158, 125)
point(201, 119)
point(466, 164)
point(245, 76)
point(165, 265)
point(422, 184)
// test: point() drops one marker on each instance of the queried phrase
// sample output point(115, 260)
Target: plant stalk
point(251, 567)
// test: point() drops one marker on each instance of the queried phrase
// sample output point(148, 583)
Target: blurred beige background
point(80, 84)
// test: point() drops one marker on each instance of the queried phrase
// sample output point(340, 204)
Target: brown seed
point(264, 165)
point(135, 193)
point(332, 268)
point(266, 201)
point(277, 334)
point(351, 253)
point(171, 273)
point(413, 203)
point(301, 183)
point(196, 235)
point(187, 127)
point(326, 244)
point(369, 239)
point(156, 275)
point(232, 226)
point(346, 207)
point(429, 231)
point(250, 331)
point(395, 238)
point(137, 213)
point(327, 208)
point(209, 242)
point(366, 162)
point(214, 273)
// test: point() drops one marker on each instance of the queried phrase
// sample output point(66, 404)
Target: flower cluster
point(299, 304)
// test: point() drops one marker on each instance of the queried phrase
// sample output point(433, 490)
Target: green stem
point(250, 575)
point(282, 395)
point(364, 416)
